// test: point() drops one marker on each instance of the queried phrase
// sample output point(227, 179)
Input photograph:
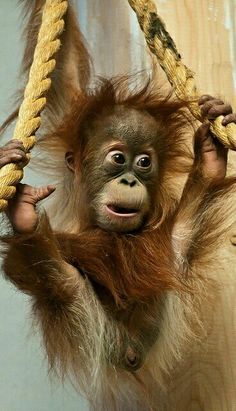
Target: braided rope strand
point(34, 96)
point(180, 77)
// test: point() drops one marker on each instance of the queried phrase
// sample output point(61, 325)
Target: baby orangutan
point(111, 282)
point(98, 292)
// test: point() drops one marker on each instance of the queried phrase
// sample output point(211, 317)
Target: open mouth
point(121, 211)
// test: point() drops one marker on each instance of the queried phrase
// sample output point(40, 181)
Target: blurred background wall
point(205, 33)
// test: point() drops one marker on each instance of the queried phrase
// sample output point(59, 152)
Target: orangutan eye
point(116, 157)
point(143, 161)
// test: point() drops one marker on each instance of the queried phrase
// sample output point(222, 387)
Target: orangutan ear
point(70, 160)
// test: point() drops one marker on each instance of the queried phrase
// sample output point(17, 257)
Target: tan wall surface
point(204, 31)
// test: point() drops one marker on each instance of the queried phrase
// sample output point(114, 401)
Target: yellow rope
point(180, 77)
point(159, 42)
point(38, 84)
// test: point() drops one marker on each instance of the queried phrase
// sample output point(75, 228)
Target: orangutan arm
point(206, 209)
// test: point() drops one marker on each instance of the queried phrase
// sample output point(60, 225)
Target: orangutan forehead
point(128, 125)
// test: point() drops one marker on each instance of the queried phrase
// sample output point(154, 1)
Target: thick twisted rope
point(181, 77)
point(34, 96)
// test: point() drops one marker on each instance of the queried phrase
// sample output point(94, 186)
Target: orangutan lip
point(121, 211)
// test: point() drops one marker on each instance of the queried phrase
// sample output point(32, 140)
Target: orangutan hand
point(22, 207)
point(208, 150)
